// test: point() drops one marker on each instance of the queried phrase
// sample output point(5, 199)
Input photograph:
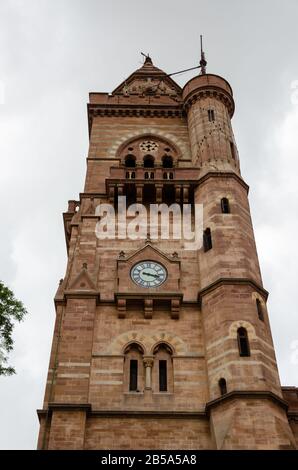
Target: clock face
point(148, 274)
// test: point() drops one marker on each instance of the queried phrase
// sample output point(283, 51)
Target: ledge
point(63, 407)
point(120, 413)
point(237, 394)
point(148, 414)
point(151, 295)
point(232, 281)
point(223, 174)
point(252, 394)
point(88, 294)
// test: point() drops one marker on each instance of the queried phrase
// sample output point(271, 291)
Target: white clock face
point(148, 274)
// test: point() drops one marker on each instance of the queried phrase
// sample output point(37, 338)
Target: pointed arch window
point(243, 343)
point(163, 368)
point(133, 368)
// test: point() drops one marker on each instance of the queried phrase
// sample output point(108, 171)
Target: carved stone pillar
point(148, 363)
point(120, 189)
point(177, 193)
point(185, 193)
point(175, 308)
point(158, 193)
point(121, 306)
point(148, 308)
point(139, 190)
point(111, 193)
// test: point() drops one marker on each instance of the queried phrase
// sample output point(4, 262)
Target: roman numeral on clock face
point(148, 274)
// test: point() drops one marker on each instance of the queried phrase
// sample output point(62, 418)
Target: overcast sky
point(52, 53)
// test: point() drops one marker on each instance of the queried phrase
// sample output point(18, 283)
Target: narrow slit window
point(207, 239)
point(260, 310)
point(163, 380)
point(133, 375)
point(225, 206)
point(243, 343)
point(211, 115)
point(233, 152)
point(222, 386)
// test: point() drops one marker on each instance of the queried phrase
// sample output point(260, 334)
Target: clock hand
point(150, 274)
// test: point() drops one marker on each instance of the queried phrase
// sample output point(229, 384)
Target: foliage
point(11, 310)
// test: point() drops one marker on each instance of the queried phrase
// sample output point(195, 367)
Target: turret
point(240, 360)
point(208, 102)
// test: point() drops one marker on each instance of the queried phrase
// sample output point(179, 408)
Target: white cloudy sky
point(52, 53)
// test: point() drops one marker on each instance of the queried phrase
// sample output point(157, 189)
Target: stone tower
point(157, 344)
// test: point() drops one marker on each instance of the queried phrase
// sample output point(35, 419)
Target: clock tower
point(162, 341)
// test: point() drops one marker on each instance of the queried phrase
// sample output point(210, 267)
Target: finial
point(148, 59)
point(203, 61)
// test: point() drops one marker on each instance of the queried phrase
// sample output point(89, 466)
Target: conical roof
point(150, 75)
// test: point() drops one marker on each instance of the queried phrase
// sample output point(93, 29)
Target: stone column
point(158, 193)
point(139, 190)
point(178, 193)
point(148, 363)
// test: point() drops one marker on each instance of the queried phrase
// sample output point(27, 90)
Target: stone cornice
point(140, 109)
point(63, 407)
point(210, 91)
point(149, 295)
point(133, 110)
point(223, 174)
point(77, 294)
point(120, 413)
point(247, 394)
point(146, 413)
point(236, 394)
point(232, 281)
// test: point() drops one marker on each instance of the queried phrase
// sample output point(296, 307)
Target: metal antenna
point(203, 61)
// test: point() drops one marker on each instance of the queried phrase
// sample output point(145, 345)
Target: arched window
point(167, 161)
point(133, 368)
point(222, 386)
point(130, 161)
point(163, 369)
point(148, 161)
point(225, 206)
point(207, 239)
point(260, 309)
point(130, 175)
point(243, 343)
